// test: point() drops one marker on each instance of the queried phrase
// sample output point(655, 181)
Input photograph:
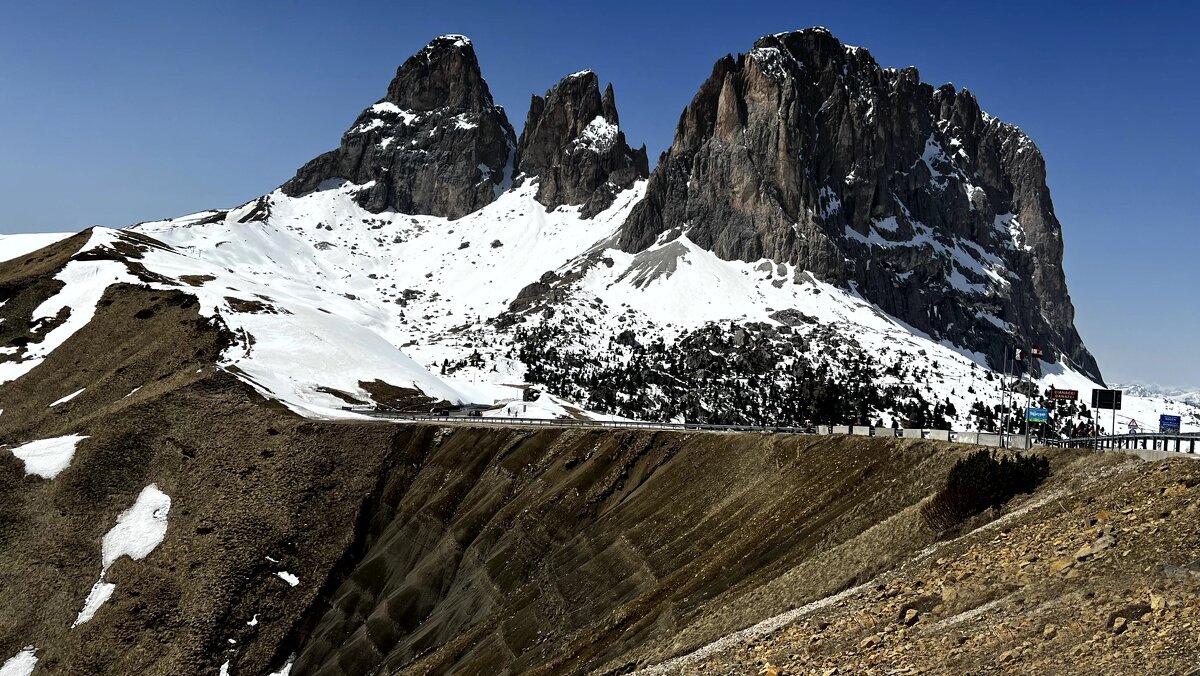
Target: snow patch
point(21, 664)
point(100, 593)
point(463, 121)
point(69, 397)
point(373, 123)
point(139, 530)
point(47, 458)
point(598, 136)
point(287, 668)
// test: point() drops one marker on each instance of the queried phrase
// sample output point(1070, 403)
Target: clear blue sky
point(117, 112)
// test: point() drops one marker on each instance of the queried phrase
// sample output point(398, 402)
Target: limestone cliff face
point(807, 151)
point(572, 143)
point(435, 144)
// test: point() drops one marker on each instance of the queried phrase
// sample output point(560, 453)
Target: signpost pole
point(1029, 398)
point(1003, 395)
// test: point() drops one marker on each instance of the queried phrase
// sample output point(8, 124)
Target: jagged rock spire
point(573, 145)
point(435, 144)
point(806, 151)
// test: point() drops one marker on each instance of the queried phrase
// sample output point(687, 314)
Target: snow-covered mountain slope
point(331, 295)
point(675, 332)
point(298, 346)
point(325, 295)
point(325, 298)
point(16, 245)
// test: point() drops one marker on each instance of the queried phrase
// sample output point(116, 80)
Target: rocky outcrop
point(435, 144)
point(807, 151)
point(572, 143)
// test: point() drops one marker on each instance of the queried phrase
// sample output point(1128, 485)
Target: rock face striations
point(806, 151)
point(573, 145)
point(435, 144)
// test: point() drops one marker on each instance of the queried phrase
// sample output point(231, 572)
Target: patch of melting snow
point(599, 135)
point(287, 668)
point(69, 397)
point(21, 664)
point(139, 530)
point(48, 457)
point(288, 578)
point(100, 593)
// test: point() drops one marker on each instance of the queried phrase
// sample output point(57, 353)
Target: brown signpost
point(1064, 395)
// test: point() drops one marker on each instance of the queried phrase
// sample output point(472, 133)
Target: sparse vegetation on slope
point(985, 479)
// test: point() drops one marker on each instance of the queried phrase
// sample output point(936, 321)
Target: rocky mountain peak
point(573, 146)
point(435, 144)
point(806, 151)
point(444, 74)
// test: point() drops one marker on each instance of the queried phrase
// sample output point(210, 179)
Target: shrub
point(981, 480)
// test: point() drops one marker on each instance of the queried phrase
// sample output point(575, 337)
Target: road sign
point(1037, 415)
point(1036, 351)
point(1064, 395)
point(1106, 399)
point(1168, 424)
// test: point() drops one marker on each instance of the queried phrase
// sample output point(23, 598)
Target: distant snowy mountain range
point(826, 241)
point(1184, 395)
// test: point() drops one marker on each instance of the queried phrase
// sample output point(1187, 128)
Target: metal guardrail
point(1186, 444)
point(978, 438)
point(575, 422)
point(1175, 443)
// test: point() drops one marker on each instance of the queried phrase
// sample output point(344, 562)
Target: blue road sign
point(1037, 415)
point(1168, 424)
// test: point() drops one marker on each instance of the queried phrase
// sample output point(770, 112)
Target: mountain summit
point(808, 152)
point(436, 144)
point(573, 144)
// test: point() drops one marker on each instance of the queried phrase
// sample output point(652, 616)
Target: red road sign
point(1064, 395)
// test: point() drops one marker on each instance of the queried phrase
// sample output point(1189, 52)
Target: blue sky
point(125, 111)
